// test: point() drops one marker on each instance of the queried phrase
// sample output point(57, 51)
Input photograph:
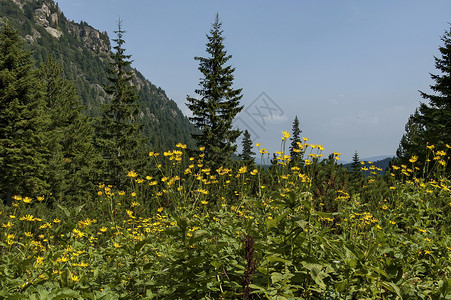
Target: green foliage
point(191, 235)
point(295, 141)
point(71, 168)
point(247, 155)
point(431, 123)
point(22, 120)
point(356, 168)
point(119, 131)
point(218, 105)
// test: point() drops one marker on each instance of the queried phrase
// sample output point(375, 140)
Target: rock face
point(92, 38)
point(48, 15)
point(48, 20)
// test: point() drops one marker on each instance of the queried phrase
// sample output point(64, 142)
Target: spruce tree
point(356, 168)
point(436, 116)
point(295, 154)
point(412, 142)
point(71, 165)
point(119, 132)
point(22, 121)
point(247, 155)
point(218, 102)
point(431, 124)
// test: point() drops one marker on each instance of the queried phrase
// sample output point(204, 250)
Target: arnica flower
point(132, 174)
point(7, 225)
point(75, 278)
point(39, 260)
point(242, 170)
point(27, 200)
point(29, 218)
point(286, 135)
point(258, 144)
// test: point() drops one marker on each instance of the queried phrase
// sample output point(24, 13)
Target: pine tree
point(219, 103)
point(71, 172)
point(295, 152)
point(119, 132)
point(22, 121)
point(247, 155)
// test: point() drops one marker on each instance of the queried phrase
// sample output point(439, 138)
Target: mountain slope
point(84, 52)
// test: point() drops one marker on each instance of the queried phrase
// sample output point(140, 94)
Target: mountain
point(381, 162)
point(373, 158)
point(85, 55)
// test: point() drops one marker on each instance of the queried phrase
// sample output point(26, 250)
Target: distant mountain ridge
point(372, 159)
point(85, 54)
point(375, 161)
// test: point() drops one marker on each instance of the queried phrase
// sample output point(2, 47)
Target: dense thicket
point(23, 120)
point(69, 136)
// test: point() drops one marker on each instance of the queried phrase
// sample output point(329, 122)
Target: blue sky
point(350, 70)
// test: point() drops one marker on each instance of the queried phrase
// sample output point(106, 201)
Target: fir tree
point(119, 132)
point(412, 142)
point(356, 168)
point(219, 103)
point(247, 155)
point(295, 152)
point(436, 116)
point(70, 169)
point(431, 124)
point(22, 121)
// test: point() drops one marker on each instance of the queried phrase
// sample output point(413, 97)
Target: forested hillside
point(84, 53)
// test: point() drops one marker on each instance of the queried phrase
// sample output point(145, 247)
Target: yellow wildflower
point(132, 174)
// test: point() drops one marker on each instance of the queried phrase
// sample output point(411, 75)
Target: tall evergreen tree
point(412, 142)
point(247, 155)
point(431, 124)
point(22, 120)
point(356, 167)
point(295, 154)
point(436, 116)
point(218, 104)
point(119, 132)
point(70, 169)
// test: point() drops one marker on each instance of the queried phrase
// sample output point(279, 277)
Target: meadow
point(301, 230)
